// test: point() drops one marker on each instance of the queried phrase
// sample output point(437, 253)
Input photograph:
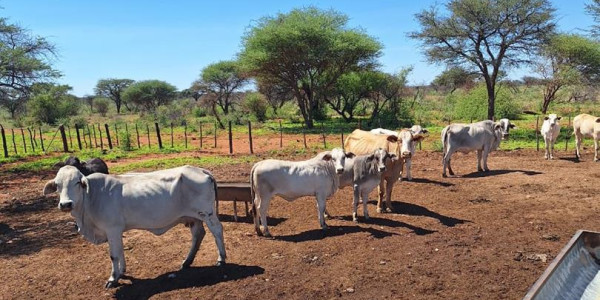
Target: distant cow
point(585, 125)
point(483, 137)
point(364, 143)
point(415, 129)
point(293, 179)
point(104, 206)
point(550, 131)
point(92, 165)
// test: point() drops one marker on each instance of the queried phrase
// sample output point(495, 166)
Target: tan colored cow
point(585, 125)
point(362, 142)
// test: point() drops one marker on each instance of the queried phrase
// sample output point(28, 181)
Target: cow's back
point(586, 124)
point(468, 137)
point(362, 142)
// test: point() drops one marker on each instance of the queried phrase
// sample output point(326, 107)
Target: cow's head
point(406, 141)
point(71, 184)
point(380, 156)
point(504, 125)
point(417, 129)
point(552, 119)
point(338, 157)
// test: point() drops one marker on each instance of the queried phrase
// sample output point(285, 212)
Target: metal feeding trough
point(234, 191)
point(574, 273)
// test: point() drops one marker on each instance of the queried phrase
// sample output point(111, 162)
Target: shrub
point(256, 105)
point(102, 105)
point(125, 142)
point(51, 103)
point(473, 106)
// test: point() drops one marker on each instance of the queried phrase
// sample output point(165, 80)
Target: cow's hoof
point(379, 210)
point(111, 284)
point(444, 175)
point(355, 220)
point(367, 218)
point(388, 210)
point(325, 227)
point(185, 265)
point(451, 173)
point(486, 170)
point(220, 263)
point(267, 235)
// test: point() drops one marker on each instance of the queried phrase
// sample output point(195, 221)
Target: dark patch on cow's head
point(350, 155)
point(327, 157)
point(546, 118)
point(598, 120)
point(392, 138)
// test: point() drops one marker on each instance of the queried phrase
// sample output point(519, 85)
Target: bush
point(125, 142)
point(101, 105)
point(474, 105)
point(78, 121)
point(256, 105)
point(52, 103)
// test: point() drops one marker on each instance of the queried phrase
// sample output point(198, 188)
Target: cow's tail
point(445, 133)
point(253, 199)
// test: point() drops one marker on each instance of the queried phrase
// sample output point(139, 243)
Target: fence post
point(90, 135)
point(343, 140)
point(148, 133)
point(95, 140)
point(537, 133)
point(127, 136)
point(31, 139)
point(201, 136)
point(215, 134)
point(100, 133)
point(12, 130)
point(84, 140)
point(4, 146)
point(171, 134)
point(70, 139)
point(117, 134)
point(63, 136)
point(250, 137)
point(323, 133)
point(185, 133)
point(78, 138)
point(568, 135)
point(137, 135)
point(158, 135)
point(41, 139)
point(24, 142)
point(280, 135)
point(230, 140)
point(304, 135)
point(108, 136)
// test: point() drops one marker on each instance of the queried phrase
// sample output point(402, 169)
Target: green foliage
point(101, 105)
point(150, 94)
point(473, 105)
point(453, 78)
point(52, 102)
point(255, 104)
point(125, 141)
point(307, 50)
point(113, 89)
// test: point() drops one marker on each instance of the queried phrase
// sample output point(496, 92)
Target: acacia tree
point(485, 36)
point(307, 50)
point(387, 91)
point(150, 94)
point(453, 78)
point(593, 9)
point(276, 94)
point(350, 89)
point(196, 90)
point(222, 80)
point(25, 59)
point(113, 89)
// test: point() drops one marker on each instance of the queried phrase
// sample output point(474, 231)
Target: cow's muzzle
point(66, 206)
point(382, 169)
point(406, 154)
point(339, 171)
point(505, 136)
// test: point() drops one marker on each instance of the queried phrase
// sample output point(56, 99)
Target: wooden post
point(568, 135)
point(108, 136)
point(343, 140)
point(304, 135)
point(537, 133)
point(158, 135)
point(185, 134)
point(323, 133)
point(137, 135)
point(31, 139)
point(41, 140)
point(24, 142)
point(250, 137)
point(90, 135)
point(95, 140)
point(84, 140)
point(215, 134)
point(117, 134)
point(12, 130)
point(101, 142)
point(171, 134)
point(64, 138)
point(201, 136)
point(148, 133)
point(280, 135)
point(70, 139)
point(78, 138)
point(4, 146)
point(230, 140)
point(127, 135)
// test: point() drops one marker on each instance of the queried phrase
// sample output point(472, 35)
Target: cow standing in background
point(550, 131)
point(483, 137)
point(90, 166)
point(105, 206)
point(290, 180)
point(415, 130)
point(585, 125)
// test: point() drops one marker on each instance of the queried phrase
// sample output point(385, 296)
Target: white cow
point(550, 131)
point(585, 125)
point(293, 179)
point(415, 129)
point(484, 137)
point(105, 206)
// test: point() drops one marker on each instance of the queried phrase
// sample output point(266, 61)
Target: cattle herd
point(104, 206)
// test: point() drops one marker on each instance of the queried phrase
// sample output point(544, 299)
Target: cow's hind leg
point(216, 228)
point(117, 257)
point(381, 192)
point(198, 233)
point(479, 154)
point(547, 145)
point(595, 149)
point(388, 194)
point(321, 209)
point(365, 197)
point(486, 152)
point(578, 137)
point(263, 208)
point(356, 190)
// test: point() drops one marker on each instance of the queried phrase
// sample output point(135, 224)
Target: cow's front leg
point(578, 138)
point(365, 197)
point(321, 208)
point(479, 154)
point(486, 152)
point(117, 257)
point(408, 166)
point(595, 149)
point(198, 233)
point(546, 144)
point(381, 191)
point(356, 194)
point(216, 228)
point(388, 194)
point(552, 149)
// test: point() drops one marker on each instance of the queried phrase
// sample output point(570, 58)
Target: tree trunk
point(118, 104)
point(491, 100)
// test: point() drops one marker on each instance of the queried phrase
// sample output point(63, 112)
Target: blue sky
point(174, 40)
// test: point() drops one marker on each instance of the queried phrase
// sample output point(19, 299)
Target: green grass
point(164, 163)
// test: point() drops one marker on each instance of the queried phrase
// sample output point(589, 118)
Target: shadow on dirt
point(187, 278)
point(417, 210)
point(32, 205)
point(499, 172)
point(35, 237)
point(248, 220)
point(573, 159)
point(425, 180)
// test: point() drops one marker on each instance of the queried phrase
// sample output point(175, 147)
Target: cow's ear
point(598, 120)
point(50, 187)
point(350, 155)
point(85, 184)
point(497, 126)
point(546, 118)
point(392, 138)
point(327, 157)
point(418, 137)
point(424, 130)
point(558, 118)
point(370, 157)
point(393, 157)
point(512, 126)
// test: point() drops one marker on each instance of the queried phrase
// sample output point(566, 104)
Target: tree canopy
point(485, 36)
point(150, 94)
point(113, 89)
point(307, 50)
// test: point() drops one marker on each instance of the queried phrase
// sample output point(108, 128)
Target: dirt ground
point(473, 236)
